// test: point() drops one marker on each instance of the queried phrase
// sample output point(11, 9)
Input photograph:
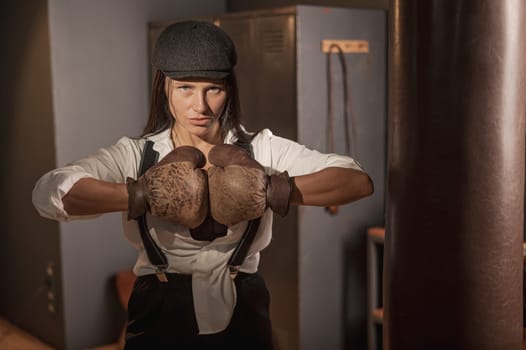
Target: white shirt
point(213, 290)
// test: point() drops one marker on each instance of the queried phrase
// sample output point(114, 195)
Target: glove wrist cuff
point(279, 190)
point(137, 199)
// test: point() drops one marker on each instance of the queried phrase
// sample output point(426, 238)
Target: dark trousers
point(161, 316)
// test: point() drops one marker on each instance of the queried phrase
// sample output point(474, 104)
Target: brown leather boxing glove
point(175, 189)
point(239, 189)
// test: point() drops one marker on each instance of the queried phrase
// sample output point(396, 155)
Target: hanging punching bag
point(453, 253)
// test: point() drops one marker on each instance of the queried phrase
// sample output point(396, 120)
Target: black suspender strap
point(241, 250)
point(149, 157)
point(240, 253)
point(246, 146)
point(154, 253)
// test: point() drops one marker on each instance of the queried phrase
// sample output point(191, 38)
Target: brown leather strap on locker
point(349, 126)
point(453, 253)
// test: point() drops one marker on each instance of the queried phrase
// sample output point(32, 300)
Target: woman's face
point(197, 104)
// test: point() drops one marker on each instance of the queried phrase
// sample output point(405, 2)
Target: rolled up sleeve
point(280, 154)
point(112, 164)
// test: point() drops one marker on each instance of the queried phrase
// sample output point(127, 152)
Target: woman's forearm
point(331, 186)
point(90, 196)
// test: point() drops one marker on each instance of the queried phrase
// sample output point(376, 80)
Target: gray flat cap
point(193, 49)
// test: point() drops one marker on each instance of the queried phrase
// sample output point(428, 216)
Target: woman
point(199, 200)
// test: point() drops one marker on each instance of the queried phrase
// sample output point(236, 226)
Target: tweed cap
point(194, 49)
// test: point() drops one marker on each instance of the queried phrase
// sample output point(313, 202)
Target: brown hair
point(160, 117)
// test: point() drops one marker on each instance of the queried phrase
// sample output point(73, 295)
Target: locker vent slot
point(273, 41)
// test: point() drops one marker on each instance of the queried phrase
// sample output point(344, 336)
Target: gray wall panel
point(332, 250)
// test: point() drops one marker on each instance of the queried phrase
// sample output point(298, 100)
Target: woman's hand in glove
point(239, 189)
point(174, 189)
